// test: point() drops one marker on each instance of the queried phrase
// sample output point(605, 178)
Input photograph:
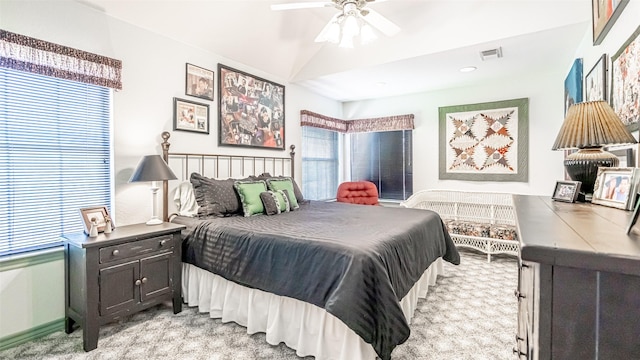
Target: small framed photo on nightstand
point(566, 191)
point(98, 215)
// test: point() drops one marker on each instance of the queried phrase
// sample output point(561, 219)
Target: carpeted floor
point(470, 314)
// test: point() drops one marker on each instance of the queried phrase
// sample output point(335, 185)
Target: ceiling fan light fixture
point(367, 35)
point(346, 42)
point(333, 33)
point(350, 26)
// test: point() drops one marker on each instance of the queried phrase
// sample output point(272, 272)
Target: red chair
point(358, 192)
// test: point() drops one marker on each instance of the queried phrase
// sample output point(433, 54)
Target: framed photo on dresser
point(566, 191)
point(616, 187)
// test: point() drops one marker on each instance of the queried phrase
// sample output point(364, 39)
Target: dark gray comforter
point(355, 261)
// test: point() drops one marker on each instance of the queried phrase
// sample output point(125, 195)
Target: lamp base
point(154, 221)
point(583, 166)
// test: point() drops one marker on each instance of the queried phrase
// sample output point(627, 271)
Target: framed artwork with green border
point(485, 141)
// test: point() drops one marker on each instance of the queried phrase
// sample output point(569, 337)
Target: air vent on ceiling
point(491, 54)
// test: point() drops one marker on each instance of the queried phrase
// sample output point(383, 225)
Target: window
point(54, 157)
point(384, 158)
point(319, 163)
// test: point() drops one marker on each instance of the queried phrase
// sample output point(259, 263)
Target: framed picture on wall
point(190, 116)
point(199, 82)
point(625, 81)
point(573, 85)
point(498, 152)
point(604, 14)
point(596, 81)
point(251, 110)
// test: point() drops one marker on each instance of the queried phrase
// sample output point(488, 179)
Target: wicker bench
point(484, 221)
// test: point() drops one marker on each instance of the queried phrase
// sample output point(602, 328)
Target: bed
point(331, 280)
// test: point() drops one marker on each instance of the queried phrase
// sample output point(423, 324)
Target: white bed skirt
point(308, 329)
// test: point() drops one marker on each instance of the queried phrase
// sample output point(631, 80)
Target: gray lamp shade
point(152, 168)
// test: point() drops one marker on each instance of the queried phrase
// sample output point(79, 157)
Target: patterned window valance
point(25, 53)
point(387, 123)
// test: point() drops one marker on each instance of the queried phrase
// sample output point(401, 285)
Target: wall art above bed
point(251, 110)
point(485, 142)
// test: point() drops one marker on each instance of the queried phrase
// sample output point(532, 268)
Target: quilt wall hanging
point(485, 142)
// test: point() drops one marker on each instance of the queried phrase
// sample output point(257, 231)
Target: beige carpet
point(470, 314)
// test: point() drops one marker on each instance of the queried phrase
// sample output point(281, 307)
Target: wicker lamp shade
point(587, 127)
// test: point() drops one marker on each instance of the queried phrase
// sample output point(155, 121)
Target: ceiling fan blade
point(381, 23)
point(301, 5)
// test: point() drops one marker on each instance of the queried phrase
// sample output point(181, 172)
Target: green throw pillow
point(276, 184)
point(249, 192)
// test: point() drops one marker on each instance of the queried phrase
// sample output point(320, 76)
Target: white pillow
point(185, 199)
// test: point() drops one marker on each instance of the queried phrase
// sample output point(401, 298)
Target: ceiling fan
point(353, 19)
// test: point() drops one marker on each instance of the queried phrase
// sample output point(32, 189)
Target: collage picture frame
point(251, 110)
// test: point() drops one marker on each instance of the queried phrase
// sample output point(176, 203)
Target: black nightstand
point(118, 274)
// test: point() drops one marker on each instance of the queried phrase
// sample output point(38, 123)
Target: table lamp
point(153, 168)
point(588, 127)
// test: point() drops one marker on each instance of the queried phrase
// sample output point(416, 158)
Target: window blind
point(54, 157)
point(384, 158)
point(319, 163)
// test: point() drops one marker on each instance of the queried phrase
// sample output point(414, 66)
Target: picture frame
point(604, 14)
point(190, 116)
point(595, 81)
point(251, 110)
point(100, 213)
point(625, 81)
point(616, 187)
point(503, 123)
point(566, 191)
point(625, 154)
point(199, 82)
point(634, 217)
point(573, 85)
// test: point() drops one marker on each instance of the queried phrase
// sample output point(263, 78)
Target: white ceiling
point(438, 38)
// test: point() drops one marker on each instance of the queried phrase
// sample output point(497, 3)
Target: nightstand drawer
point(136, 248)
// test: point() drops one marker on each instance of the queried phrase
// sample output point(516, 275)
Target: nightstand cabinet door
point(156, 276)
point(118, 289)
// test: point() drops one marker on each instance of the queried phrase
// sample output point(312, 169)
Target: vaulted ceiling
point(438, 37)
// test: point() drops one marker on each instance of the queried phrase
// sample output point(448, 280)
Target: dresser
point(115, 275)
point(579, 281)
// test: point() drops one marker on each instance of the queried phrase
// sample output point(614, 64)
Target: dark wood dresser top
point(580, 235)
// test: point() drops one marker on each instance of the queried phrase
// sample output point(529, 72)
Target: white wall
point(546, 113)
point(153, 73)
point(545, 93)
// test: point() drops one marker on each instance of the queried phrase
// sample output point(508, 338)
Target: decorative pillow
point(215, 197)
point(185, 199)
point(275, 202)
point(284, 184)
point(249, 192)
point(296, 188)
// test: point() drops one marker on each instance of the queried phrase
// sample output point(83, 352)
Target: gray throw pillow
point(215, 197)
